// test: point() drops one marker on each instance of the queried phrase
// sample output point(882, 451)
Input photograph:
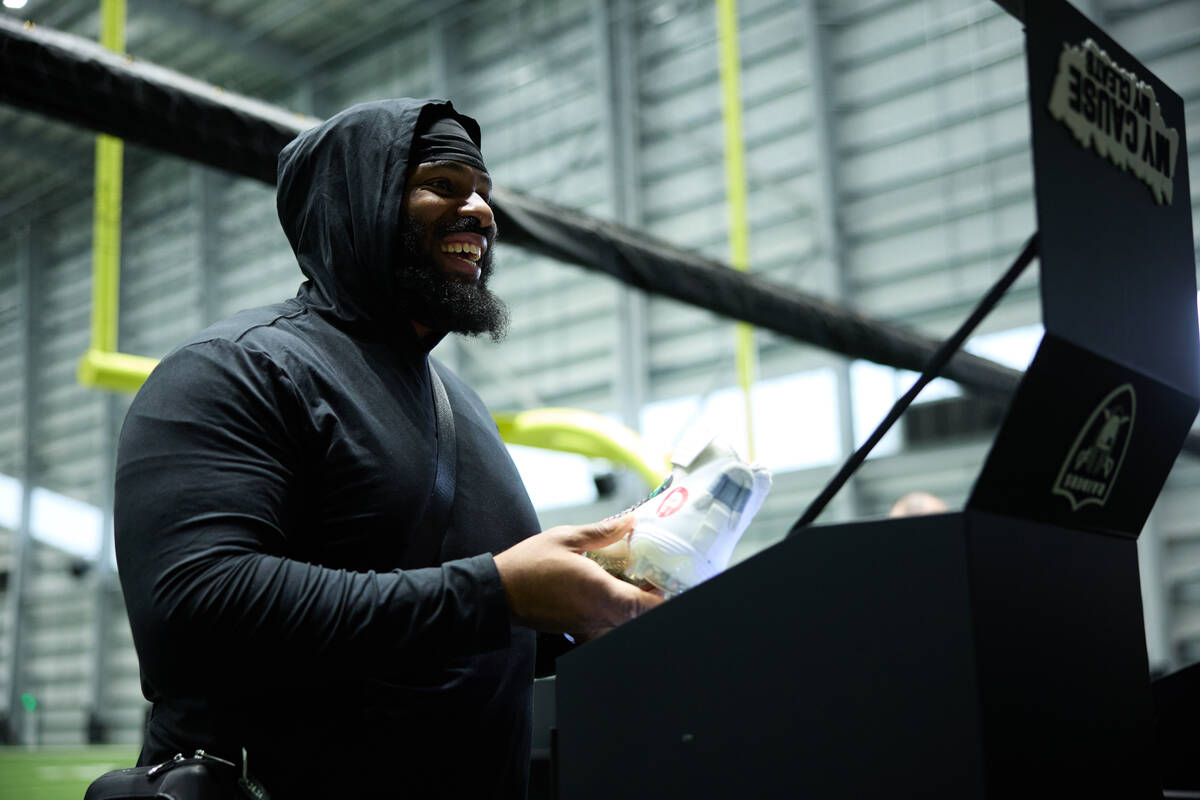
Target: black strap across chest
point(426, 542)
point(447, 451)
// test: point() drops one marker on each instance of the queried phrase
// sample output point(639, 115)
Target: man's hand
point(552, 587)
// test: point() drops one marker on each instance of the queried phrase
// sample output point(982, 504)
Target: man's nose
point(475, 206)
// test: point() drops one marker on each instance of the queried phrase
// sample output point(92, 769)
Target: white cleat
point(685, 531)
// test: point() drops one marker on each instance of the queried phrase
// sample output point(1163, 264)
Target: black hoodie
point(270, 477)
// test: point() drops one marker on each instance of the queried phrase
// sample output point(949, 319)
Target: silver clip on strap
point(199, 755)
point(211, 757)
point(164, 766)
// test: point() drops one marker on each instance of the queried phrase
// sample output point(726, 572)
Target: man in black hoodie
point(284, 593)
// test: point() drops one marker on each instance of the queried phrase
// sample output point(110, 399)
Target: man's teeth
point(470, 251)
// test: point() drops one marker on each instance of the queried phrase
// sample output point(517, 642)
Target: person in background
point(915, 504)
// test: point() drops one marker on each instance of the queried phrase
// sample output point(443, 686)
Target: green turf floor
point(57, 774)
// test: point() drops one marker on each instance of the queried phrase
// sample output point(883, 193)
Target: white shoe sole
point(665, 560)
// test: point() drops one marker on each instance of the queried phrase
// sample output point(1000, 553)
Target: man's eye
point(440, 184)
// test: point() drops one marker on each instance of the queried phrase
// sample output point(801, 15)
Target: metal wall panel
point(528, 73)
point(67, 445)
point(161, 277)
point(935, 163)
point(683, 187)
point(61, 613)
point(12, 370)
point(252, 262)
point(13, 377)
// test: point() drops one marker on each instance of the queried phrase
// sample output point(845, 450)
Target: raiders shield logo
point(1094, 461)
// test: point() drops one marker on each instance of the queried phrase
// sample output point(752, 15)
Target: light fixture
point(14, 3)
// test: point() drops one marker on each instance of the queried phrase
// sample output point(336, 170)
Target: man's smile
point(462, 251)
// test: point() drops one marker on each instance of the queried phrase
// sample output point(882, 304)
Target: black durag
point(446, 140)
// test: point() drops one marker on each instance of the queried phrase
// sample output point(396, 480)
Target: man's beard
point(442, 303)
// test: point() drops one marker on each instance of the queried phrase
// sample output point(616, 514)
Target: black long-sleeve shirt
point(271, 475)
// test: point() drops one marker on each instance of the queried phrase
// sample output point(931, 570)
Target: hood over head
point(340, 190)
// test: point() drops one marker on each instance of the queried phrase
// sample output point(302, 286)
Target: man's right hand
point(552, 587)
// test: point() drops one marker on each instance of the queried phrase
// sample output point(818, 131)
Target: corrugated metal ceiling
point(277, 51)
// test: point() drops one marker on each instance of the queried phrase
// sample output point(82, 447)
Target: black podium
point(996, 652)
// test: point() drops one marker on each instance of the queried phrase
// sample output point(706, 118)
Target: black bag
point(200, 777)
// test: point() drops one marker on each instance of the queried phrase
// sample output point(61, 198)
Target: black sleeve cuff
point(476, 581)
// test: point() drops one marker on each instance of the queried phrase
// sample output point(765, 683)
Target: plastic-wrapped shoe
point(685, 531)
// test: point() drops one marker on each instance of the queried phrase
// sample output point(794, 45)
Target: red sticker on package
point(672, 502)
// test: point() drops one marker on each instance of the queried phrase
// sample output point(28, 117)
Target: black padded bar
point(76, 80)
